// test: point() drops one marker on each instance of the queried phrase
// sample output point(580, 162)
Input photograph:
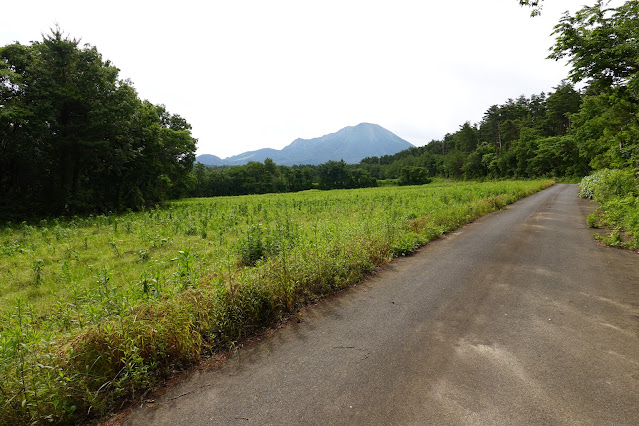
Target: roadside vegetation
point(617, 194)
point(96, 310)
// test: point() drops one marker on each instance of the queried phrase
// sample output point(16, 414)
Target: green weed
point(37, 272)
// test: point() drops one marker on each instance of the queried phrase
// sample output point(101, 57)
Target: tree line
point(267, 177)
point(76, 139)
point(522, 138)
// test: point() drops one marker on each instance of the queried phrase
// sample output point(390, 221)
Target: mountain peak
point(351, 144)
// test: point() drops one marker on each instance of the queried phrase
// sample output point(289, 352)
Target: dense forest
point(76, 139)
point(523, 138)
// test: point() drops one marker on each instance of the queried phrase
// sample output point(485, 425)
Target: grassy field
point(95, 310)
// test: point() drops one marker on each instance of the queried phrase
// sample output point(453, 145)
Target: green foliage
point(605, 184)
point(525, 137)
point(600, 44)
point(76, 139)
point(37, 272)
point(252, 247)
point(413, 176)
point(593, 220)
point(252, 178)
point(606, 130)
point(336, 175)
point(617, 193)
point(186, 276)
point(556, 156)
point(267, 177)
point(560, 105)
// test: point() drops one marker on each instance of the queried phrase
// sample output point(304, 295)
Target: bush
point(617, 192)
point(413, 176)
point(251, 248)
point(606, 184)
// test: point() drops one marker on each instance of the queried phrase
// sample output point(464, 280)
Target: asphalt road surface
point(519, 318)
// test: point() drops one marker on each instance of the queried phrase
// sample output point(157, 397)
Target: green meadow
point(96, 310)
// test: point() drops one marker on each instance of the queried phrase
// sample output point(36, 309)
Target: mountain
point(350, 144)
point(210, 160)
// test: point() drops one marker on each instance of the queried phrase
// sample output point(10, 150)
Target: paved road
point(519, 318)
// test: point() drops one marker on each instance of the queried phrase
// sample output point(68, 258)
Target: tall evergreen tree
point(74, 138)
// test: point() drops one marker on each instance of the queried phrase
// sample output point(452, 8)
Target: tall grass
point(96, 310)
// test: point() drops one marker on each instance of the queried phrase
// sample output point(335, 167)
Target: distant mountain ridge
point(351, 144)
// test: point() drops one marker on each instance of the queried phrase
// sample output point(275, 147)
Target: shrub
point(252, 248)
point(605, 184)
point(617, 192)
point(413, 176)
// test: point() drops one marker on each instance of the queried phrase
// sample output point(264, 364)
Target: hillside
point(350, 144)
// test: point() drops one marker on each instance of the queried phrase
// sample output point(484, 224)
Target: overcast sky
point(254, 74)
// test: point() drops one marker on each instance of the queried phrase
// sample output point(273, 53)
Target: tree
point(557, 156)
point(491, 125)
point(600, 44)
point(76, 139)
point(360, 178)
point(334, 175)
point(453, 163)
point(200, 175)
point(607, 132)
point(297, 178)
point(523, 150)
point(414, 176)
point(560, 105)
point(466, 138)
point(477, 163)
